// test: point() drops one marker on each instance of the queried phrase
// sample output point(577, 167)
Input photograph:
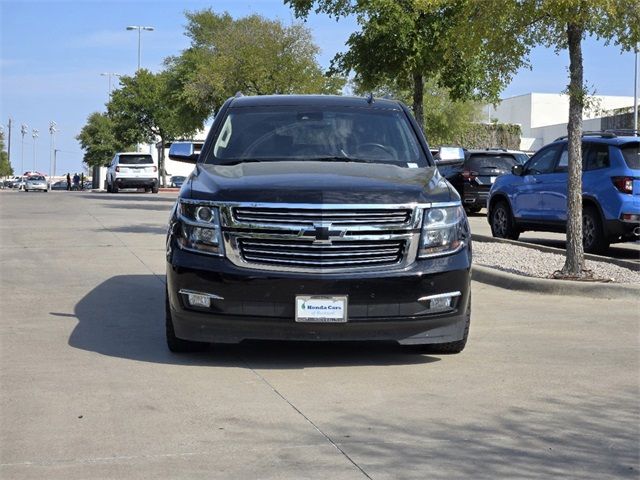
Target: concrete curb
point(511, 281)
point(560, 251)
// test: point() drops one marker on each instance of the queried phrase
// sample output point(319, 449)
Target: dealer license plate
point(321, 309)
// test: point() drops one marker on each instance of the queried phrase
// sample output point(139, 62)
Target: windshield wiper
point(338, 158)
point(243, 160)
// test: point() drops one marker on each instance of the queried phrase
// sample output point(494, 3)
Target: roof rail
point(591, 133)
point(239, 94)
point(624, 132)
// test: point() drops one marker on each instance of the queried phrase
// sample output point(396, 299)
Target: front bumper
point(260, 304)
point(36, 187)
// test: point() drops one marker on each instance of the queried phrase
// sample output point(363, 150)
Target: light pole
point(110, 74)
point(24, 129)
point(635, 91)
point(9, 140)
point(52, 132)
point(34, 135)
point(140, 28)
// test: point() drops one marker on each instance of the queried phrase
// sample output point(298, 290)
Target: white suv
point(132, 170)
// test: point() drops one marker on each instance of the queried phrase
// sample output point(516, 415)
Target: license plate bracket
point(321, 308)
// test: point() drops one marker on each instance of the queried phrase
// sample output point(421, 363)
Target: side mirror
point(517, 170)
point(183, 152)
point(450, 155)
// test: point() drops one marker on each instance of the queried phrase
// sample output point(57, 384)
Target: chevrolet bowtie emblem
point(323, 233)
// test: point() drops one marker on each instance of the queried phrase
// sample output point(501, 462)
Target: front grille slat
point(342, 217)
point(306, 253)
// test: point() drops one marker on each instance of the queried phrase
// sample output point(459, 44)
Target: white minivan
point(132, 170)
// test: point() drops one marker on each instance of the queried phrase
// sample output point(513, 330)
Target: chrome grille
point(309, 217)
point(304, 253)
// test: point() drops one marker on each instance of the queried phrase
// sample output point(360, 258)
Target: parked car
point(176, 181)
point(61, 185)
point(534, 196)
point(473, 176)
point(316, 218)
point(36, 183)
point(132, 170)
point(18, 182)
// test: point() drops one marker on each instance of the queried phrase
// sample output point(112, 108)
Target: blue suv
point(534, 195)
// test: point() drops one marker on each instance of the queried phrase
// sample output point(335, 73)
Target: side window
point(563, 162)
point(597, 157)
point(543, 161)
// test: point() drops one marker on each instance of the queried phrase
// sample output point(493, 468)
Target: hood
point(318, 182)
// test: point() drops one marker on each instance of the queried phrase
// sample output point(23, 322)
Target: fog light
point(440, 302)
point(197, 300)
point(630, 217)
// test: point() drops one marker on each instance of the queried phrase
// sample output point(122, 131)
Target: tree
point(148, 107)
point(511, 28)
point(5, 166)
point(402, 43)
point(98, 140)
point(253, 55)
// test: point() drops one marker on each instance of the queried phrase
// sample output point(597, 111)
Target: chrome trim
point(422, 256)
point(440, 295)
point(212, 296)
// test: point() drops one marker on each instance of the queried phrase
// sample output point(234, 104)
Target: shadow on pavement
point(622, 251)
point(124, 317)
point(155, 229)
point(129, 196)
point(158, 207)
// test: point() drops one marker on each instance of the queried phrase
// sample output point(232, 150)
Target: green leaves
point(5, 166)
point(97, 138)
point(253, 55)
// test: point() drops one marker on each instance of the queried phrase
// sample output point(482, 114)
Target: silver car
point(35, 183)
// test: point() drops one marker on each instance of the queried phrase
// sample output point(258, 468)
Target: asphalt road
point(625, 251)
point(548, 387)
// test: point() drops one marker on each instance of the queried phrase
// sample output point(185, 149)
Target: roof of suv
point(312, 100)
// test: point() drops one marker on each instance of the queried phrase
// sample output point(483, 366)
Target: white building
point(543, 116)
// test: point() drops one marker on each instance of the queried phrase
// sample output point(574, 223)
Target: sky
point(52, 54)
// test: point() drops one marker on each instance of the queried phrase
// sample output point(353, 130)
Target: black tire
point(114, 187)
point(502, 223)
point(593, 237)
point(108, 187)
point(175, 344)
point(450, 348)
point(154, 189)
point(147, 189)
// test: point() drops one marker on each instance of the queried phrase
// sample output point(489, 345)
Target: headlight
point(444, 231)
point(198, 228)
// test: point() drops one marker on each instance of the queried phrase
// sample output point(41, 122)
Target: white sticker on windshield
point(412, 165)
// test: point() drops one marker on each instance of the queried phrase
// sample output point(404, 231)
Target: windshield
point(36, 178)
point(317, 133)
point(135, 159)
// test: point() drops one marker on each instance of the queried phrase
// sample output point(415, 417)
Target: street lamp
point(24, 129)
point(110, 74)
point(140, 28)
point(635, 91)
point(34, 135)
point(52, 132)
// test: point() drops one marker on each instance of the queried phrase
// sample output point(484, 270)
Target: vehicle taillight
point(469, 175)
point(623, 184)
point(155, 169)
point(118, 168)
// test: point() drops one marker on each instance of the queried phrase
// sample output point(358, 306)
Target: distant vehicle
point(473, 176)
point(534, 196)
point(87, 185)
point(36, 183)
point(61, 185)
point(132, 170)
point(18, 182)
point(176, 181)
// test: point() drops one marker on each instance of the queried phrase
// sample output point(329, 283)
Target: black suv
point(316, 218)
point(473, 176)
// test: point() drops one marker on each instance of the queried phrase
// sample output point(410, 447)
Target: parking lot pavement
point(624, 251)
point(548, 387)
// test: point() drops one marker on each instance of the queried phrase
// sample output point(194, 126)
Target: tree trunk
point(418, 98)
point(163, 173)
point(574, 263)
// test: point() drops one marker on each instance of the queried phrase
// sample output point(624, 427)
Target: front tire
point(114, 187)
point(593, 237)
point(154, 189)
point(503, 224)
point(175, 344)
